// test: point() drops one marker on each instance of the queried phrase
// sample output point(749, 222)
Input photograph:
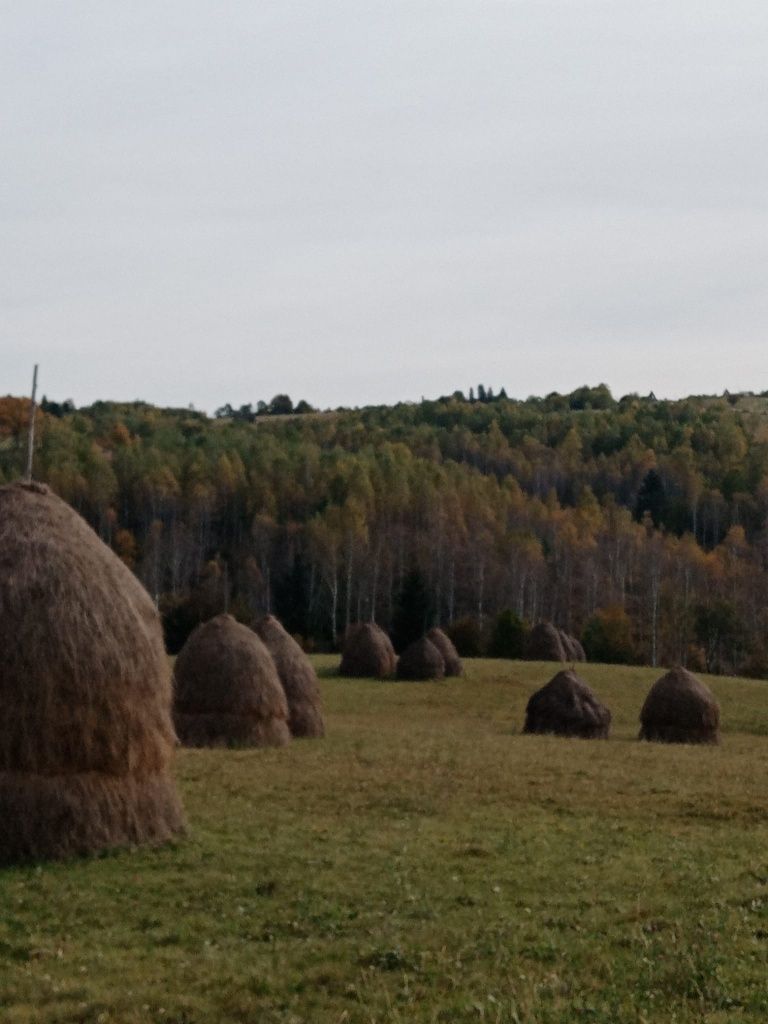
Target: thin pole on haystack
point(31, 435)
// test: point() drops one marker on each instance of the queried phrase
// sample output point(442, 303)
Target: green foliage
point(180, 616)
point(607, 637)
point(467, 637)
point(569, 502)
point(507, 636)
point(718, 628)
point(281, 405)
point(651, 499)
point(413, 611)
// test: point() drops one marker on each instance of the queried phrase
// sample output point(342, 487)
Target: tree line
point(638, 525)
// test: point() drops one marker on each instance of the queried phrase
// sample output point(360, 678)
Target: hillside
point(638, 524)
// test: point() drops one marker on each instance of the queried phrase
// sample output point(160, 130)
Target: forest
point(637, 524)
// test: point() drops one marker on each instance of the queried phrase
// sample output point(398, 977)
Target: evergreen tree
point(413, 611)
point(508, 636)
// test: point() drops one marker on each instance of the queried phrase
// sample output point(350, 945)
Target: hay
point(571, 647)
point(444, 644)
point(86, 740)
point(579, 652)
point(368, 653)
point(548, 643)
point(679, 708)
point(544, 643)
point(567, 645)
point(421, 660)
point(567, 706)
point(298, 677)
point(227, 690)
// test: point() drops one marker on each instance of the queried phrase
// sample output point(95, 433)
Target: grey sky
point(358, 202)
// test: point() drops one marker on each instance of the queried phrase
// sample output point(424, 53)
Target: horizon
point(43, 395)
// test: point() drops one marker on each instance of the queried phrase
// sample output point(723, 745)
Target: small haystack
point(566, 706)
point(420, 661)
point(571, 647)
point(227, 690)
point(679, 708)
point(578, 650)
point(544, 643)
point(86, 740)
point(567, 645)
point(298, 677)
point(368, 652)
point(444, 644)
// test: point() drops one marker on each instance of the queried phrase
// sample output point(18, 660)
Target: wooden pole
point(31, 435)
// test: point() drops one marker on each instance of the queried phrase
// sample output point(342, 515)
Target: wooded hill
point(639, 525)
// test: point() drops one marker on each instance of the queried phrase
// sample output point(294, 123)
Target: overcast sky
point(362, 201)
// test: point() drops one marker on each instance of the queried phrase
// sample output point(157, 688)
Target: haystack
point(298, 678)
point(571, 647)
point(86, 740)
point(227, 690)
point(421, 660)
point(566, 706)
point(578, 650)
point(544, 643)
point(679, 708)
point(444, 644)
point(368, 652)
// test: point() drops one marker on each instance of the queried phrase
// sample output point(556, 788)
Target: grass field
point(425, 863)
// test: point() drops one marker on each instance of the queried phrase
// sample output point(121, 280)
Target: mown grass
point(425, 863)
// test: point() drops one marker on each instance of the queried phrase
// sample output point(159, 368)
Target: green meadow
point(425, 863)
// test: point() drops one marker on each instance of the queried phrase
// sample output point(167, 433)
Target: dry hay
point(548, 643)
point(578, 649)
point(368, 652)
point(679, 708)
point(544, 643)
point(444, 644)
point(421, 660)
point(298, 677)
point(227, 690)
point(567, 706)
point(86, 740)
point(567, 644)
point(571, 647)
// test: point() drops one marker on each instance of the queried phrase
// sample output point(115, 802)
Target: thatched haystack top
point(298, 678)
point(421, 660)
point(679, 708)
point(368, 652)
point(444, 644)
point(86, 738)
point(567, 706)
point(225, 667)
point(80, 642)
point(544, 643)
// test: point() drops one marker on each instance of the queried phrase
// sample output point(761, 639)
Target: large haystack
point(566, 706)
point(679, 708)
point(299, 679)
point(86, 740)
point(421, 660)
point(544, 643)
point(444, 644)
point(368, 652)
point(227, 690)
